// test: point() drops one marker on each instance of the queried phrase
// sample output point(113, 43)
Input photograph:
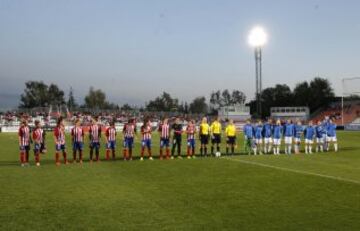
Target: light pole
point(257, 39)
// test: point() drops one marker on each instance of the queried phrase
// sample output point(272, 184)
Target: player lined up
point(324, 134)
point(259, 138)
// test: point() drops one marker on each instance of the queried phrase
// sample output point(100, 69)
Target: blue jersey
point(331, 130)
point(289, 130)
point(277, 131)
point(268, 128)
point(309, 132)
point(248, 131)
point(320, 131)
point(258, 131)
point(298, 131)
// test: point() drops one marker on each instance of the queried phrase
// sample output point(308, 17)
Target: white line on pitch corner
point(294, 170)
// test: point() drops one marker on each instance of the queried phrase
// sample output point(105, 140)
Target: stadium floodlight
point(257, 39)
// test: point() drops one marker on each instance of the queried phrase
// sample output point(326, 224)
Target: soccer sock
point(125, 153)
point(188, 151)
point(310, 149)
point(193, 151)
point(57, 157)
point(130, 153)
point(74, 155)
point(278, 150)
point(167, 152)
point(149, 152)
point(274, 151)
point(37, 158)
point(91, 153)
point(336, 147)
point(232, 150)
point(113, 154)
point(321, 148)
point(107, 154)
point(306, 149)
point(64, 156)
point(205, 150)
point(81, 155)
point(255, 150)
point(142, 152)
point(201, 151)
point(161, 152)
point(27, 156)
point(97, 155)
point(22, 157)
point(218, 148)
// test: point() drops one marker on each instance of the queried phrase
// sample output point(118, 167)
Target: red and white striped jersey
point(164, 130)
point(95, 133)
point(77, 134)
point(191, 130)
point(59, 135)
point(129, 130)
point(37, 135)
point(146, 132)
point(24, 134)
point(111, 134)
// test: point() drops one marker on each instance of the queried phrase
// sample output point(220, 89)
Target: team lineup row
point(259, 138)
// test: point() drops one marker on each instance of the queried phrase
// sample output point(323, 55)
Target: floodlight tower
point(257, 39)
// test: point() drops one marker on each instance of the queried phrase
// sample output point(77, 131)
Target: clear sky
point(136, 49)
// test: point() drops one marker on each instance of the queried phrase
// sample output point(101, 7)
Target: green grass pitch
point(300, 192)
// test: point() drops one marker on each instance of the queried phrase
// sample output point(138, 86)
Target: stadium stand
point(351, 112)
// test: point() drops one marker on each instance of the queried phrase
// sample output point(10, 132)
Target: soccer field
point(298, 192)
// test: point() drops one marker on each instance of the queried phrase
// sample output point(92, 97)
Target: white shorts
point(297, 140)
point(268, 140)
point(258, 141)
point(319, 140)
point(277, 141)
point(331, 139)
point(307, 141)
point(288, 140)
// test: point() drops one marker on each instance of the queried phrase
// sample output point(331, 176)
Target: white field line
point(294, 170)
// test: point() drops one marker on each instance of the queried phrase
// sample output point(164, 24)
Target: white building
point(235, 112)
point(302, 113)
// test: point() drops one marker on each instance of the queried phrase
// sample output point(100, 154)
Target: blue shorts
point(129, 142)
point(37, 148)
point(111, 145)
point(78, 146)
point(146, 143)
point(24, 148)
point(191, 143)
point(95, 145)
point(60, 147)
point(164, 142)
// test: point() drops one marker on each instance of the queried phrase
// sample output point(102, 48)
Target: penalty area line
point(294, 170)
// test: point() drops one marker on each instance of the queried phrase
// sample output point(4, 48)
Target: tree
point(321, 93)
point(71, 103)
point(38, 94)
point(96, 99)
point(163, 103)
point(198, 106)
point(126, 107)
point(225, 98)
point(278, 96)
point(238, 97)
point(302, 94)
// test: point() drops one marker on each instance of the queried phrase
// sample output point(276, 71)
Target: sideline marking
point(294, 170)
